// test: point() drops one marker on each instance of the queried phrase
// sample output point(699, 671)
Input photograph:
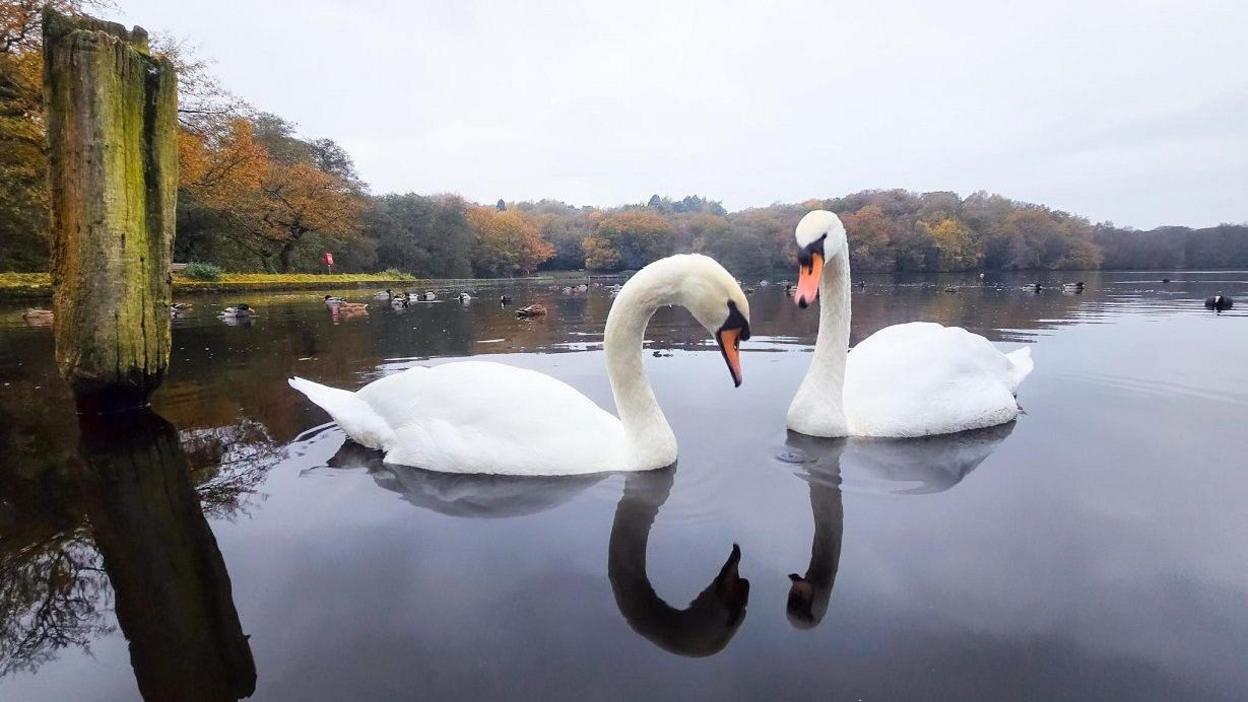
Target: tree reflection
point(703, 628)
point(49, 596)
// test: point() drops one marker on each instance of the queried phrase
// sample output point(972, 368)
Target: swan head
point(716, 300)
point(819, 235)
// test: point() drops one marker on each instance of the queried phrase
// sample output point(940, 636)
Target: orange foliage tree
point(268, 205)
point(628, 239)
point(507, 242)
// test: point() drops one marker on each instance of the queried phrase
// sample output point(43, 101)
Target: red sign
point(327, 258)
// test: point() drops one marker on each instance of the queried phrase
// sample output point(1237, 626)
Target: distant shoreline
point(21, 286)
point(39, 285)
point(34, 286)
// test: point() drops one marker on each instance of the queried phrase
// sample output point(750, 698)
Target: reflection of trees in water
point(50, 596)
point(54, 592)
point(229, 463)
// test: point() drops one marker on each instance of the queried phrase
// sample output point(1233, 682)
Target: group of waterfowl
point(908, 380)
point(1073, 288)
point(403, 298)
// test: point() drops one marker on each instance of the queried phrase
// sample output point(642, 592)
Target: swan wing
point(921, 378)
point(485, 417)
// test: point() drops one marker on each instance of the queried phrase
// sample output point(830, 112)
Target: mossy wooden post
point(112, 121)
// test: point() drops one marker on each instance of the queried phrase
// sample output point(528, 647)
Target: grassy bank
point(36, 285)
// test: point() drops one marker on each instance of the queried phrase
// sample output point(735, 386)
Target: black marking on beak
point(729, 336)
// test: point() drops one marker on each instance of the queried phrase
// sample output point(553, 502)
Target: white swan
point(906, 380)
point(483, 417)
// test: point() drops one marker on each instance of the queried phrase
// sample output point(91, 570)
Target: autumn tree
point(628, 240)
point(251, 182)
point(24, 242)
point(507, 242)
point(871, 236)
point(956, 245)
point(565, 227)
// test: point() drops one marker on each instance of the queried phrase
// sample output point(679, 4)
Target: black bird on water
point(1219, 302)
point(504, 299)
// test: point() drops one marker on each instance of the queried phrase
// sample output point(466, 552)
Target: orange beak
point(730, 345)
point(808, 278)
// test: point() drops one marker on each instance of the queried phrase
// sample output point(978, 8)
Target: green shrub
point(202, 271)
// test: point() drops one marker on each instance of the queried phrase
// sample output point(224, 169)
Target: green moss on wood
point(112, 116)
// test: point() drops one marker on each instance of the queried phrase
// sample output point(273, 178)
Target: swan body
point(921, 378)
point(907, 380)
point(485, 417)
point(478, 417)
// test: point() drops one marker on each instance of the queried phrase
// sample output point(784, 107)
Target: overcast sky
point(1135, 112)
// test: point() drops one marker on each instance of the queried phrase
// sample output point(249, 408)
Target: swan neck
point(832, 343)
point(645, 427)
point(818, 407)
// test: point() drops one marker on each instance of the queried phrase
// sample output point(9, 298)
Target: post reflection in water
point(925, 466)
point(172, 590)
point(710, 621)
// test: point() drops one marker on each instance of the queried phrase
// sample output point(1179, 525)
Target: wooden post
point(112, 136)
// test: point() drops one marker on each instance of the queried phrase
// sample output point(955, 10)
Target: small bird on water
point(535, 310)
point(1219, 302)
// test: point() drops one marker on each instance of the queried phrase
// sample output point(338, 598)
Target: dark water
point(1095, 550)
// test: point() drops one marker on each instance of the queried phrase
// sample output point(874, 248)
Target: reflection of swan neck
point(709, 622)
point(825, 549)
point(645, 427)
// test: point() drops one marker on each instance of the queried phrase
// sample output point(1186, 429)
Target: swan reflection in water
point(929, 465)
point(821, 462)
point(710, 621)
point(172, 591)
point(460, 495)
point(702, 629)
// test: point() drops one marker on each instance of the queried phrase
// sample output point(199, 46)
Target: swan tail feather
point(1021, 366)
point(353, 414)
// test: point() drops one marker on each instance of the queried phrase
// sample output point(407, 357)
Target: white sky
point(1135, 112)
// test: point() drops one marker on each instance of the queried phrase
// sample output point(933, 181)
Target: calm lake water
point(1095, 550)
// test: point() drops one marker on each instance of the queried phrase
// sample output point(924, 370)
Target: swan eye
point(806, 254)
point(736, 320)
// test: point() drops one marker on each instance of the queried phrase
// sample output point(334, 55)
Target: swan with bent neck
point(485, 417)
point(907, 380)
